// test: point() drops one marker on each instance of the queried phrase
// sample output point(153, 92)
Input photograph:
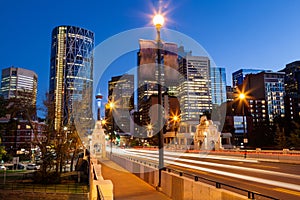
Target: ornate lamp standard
point(158, 22)
point(149, 130)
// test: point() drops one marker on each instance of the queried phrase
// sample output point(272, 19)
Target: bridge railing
point(251, 194)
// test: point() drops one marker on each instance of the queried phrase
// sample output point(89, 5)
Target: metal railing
point(250, 194)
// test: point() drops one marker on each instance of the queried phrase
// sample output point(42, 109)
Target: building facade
point(239, 76)
point(121, 92)
point(292, 89)
point(194, 90)
point(229, 93)
point(266, 91)
point(218, 85)
point(19, 83)
point(71, 74)
point(18, 135)
point(148, 73)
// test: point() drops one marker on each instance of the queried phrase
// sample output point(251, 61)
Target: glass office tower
point(218, 85)
point(71, 73)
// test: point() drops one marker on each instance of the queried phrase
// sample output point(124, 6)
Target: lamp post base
point(158, 188)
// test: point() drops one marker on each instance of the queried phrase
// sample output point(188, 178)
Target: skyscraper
point(19, 83)
point(71, 73)
point(121, 92)
point(148, 73)
point(218, 85)
point(292, 89)
point(194, 90)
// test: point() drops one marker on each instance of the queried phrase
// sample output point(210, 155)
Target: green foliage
point(2, 152)
point(134, 143)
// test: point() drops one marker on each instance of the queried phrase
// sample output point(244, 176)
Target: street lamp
point(242, 98)
point(176, 119)
point(111, 106)
point(158, 22)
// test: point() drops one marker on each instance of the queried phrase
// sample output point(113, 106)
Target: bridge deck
point(127, 186)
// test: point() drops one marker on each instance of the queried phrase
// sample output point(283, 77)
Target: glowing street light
point(176, 119)
point(242, 98)
point(111, 106)
point(158, 21)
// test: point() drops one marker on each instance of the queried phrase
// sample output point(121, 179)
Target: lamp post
point(111, 107)
point(242, 98)
point(175, 120)
point(158, 22)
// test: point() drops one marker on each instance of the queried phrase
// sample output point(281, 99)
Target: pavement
point(127, 186)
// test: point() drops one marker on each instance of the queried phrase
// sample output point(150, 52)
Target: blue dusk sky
point(258, 34)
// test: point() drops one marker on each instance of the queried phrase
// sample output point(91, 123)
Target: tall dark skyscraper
point(71, 74)
point(148, 73)
point(121, 92)
point(292, 89)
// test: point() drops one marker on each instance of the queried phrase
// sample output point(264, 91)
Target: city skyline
point(237, 34)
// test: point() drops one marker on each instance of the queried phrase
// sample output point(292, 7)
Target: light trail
point(220, 172)
point(199, 156)
point(232, 167)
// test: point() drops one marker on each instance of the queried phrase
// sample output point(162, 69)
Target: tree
point(2, 151)
point(263, 135)
point(280, 137)
point(294, 138)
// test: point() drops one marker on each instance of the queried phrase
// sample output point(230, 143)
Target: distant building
point(218, 85)
point(19, 83)
point(292, 90)
point(18, 140)
point(266, 91)
point(238, 121)
point(71, 74)
point(229, 93)
point(239, 76)
point(194, 90)
point(148, 74)
point(121, 92)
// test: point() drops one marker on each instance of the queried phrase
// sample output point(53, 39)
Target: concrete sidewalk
point(128, 186)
